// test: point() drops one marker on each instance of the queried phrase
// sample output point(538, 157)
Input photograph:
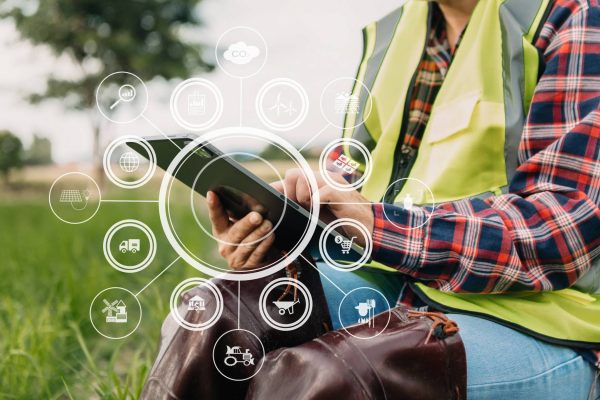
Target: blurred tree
point(40, 152)
point(141, 36)
point(11, 153)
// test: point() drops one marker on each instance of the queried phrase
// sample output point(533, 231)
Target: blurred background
point(55, 53)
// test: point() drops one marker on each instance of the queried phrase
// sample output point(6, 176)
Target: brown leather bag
point(411, 359)
point(418, 356)
point(184, 366)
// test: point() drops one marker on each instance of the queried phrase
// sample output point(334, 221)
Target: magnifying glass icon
point(126, 94)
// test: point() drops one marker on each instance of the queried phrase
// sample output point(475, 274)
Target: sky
point(312, 42)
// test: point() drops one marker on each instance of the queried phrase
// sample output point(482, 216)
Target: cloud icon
point(240, 53)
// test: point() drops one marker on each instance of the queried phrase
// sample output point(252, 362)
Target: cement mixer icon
point(366, 312)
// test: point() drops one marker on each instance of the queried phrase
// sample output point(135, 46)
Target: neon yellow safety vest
point(469, 147)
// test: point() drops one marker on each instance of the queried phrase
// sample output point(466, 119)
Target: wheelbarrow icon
point(346, 244)
point(284, 306)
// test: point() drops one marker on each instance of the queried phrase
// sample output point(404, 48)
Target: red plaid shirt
point(543, 234)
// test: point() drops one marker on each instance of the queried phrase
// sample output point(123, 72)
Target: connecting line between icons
point(152, 124)
point(156, 277)
point(238, 312)
point(241, 103)
point(346, 202)
point(314, 137)
point(322, 274)
point(127, 201)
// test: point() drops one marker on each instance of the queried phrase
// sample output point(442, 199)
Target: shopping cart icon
point(346, 244)
point(286, 306)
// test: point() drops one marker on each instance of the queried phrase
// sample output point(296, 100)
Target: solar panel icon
point(74, 196)
point(70, 196)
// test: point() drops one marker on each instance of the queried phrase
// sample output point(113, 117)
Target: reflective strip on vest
point(469, 147)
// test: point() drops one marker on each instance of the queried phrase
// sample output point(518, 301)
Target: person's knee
point(502, 363)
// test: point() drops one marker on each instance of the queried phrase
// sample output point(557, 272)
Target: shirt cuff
point(398, 236)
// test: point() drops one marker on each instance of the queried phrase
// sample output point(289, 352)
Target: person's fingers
point(242, 228)
point(337, 177)
point(225, 250)
point(236, 233)
point(249, 245)
point(326, 194)
point(303, 191)
point(291, 176)
point(320, 180)
point(278, 185)
point(334, 199)
point(217, 214)
point(258, 255)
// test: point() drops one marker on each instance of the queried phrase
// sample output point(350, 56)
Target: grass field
point(49, 273)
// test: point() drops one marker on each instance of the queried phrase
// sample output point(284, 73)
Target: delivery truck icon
point(130, 245)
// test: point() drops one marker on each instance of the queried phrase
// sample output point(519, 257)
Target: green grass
point(49, 273)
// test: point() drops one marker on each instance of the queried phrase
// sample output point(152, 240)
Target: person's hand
point(240, 241)
point(335, 204)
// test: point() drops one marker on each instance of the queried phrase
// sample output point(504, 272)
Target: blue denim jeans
point(501, 363)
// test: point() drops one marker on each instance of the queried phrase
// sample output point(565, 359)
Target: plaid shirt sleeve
point(545, 233)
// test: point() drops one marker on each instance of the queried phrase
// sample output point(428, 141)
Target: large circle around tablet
point(237, 133)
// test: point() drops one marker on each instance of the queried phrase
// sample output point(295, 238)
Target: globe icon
point(129, 162)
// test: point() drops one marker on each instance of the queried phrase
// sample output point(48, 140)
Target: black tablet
point(240, 190)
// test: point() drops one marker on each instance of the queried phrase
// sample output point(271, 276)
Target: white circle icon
point(129, 246)
point(285, 304)
point(200, 310)
point(359, 307)
point(407, 194)
point(123, 165)
point(282, 104)
point(241, 52)
point(344, 163)
point(74, 198)
point(336, 245)
point(196, 104)
point(122, 97)
point(115, 313)
point(238, 355)
point(183, 243)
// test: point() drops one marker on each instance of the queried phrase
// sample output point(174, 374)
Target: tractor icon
point(234, 355)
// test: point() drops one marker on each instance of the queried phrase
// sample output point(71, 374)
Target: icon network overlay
point(196, 104)
point(126, 94)
point(130, 246)
point(346, 164)
point(366, 312)
point(241, 53)
point(283, 108)
point(77, 198)
point(129, 162)
point(408, 202)
point(284, 306)
point(234, 356)
point(196, 303)
point(345, 244)
point(116, 312)
point(346, 103)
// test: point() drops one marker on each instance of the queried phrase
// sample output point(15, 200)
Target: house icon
point(196, 303)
